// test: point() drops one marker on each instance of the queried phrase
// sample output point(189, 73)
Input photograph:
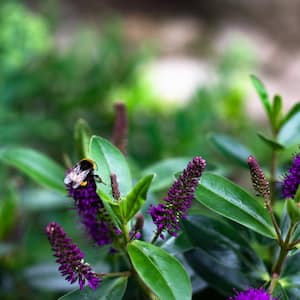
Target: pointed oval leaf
point(271, 143)
point(263, 95)
point(231, 201)
point(231, 148)
point(294, 110)
point(136, 198)
point(223, 242)
point(110, 160)
point(37, 166)
point(110, 289)
point(160, 271)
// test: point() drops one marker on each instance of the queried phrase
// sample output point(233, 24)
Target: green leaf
point(276, 111)
point(220, 277)
point(223, 242)
point(280, 292)
point(109, 161)
point(219, 249)
point(110, 289)
point(82, 137)
point(263, 95)
point(130, 205)
point(293, 111)
point(160, 271)
point(271, 143)
point(293, 210)
point(37, 166)
point(289, 134)
point(165, 171)
point(232, 202)
point(231, 148)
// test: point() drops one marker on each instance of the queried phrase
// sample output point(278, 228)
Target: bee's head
point(87, 164)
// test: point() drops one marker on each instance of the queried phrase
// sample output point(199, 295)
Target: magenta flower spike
point(70, 258)
point(167, 215)
point(252, 294)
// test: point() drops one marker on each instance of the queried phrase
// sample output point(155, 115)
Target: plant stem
point(284, 250)
point(274, 221)
point(155, 237)
point(273, 175)
point(115, 274)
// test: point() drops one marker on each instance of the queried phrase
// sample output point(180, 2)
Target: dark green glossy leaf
point(110, 289)
point(231, 201)
point(164, 172)
point(221, 256)
point(130, 205)
point(271, 143)
point(223, 242)
point(263, 95)
point(109, 161)
point(37, 166)
point(289, 134)
point(231, 148)
point(160, 271)
point(82, 138)
point(220, 277)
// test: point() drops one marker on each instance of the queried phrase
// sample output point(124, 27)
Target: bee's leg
point(99, 179)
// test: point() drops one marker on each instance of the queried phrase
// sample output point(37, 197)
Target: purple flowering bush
point(177, 228)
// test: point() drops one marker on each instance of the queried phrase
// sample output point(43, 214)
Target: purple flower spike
point(70, 258)
point(166, 216)
point(92, 212)
point(292, 179)
point(252, 294)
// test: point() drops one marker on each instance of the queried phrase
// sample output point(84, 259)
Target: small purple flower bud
point(252, 294)
point(115, 187)
point(119, 138)
point(92, 212)
point(166, 216)
point(259, 181)
point(292, 179)
point(70, 258)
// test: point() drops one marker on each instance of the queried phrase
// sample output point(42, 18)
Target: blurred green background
point(182, 79)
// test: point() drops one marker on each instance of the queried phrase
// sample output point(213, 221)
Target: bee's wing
point(68, 179)
point(79, 178)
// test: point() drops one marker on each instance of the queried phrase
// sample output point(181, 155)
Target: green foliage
point(231, 201)
point(160, 271)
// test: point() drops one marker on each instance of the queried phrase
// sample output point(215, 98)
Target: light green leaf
point(271, 143)
point(160, 271)
point(231, 201)
point(109, 161)
point(110, 289)
point(289, 134)
point(37, 166)
point(263, 95)
point(130, 205)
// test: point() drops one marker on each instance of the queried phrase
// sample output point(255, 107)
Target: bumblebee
point(78, 174)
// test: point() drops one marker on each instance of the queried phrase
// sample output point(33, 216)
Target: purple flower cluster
point(166, 216)
point(252, 294)
point(292, 179)
point(70, 258)
point(92, 212)
point(259, 181)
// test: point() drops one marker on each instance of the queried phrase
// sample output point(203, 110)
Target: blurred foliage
point(44, 89)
